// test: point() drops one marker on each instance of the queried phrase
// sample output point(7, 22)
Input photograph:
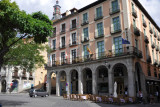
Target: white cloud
point(46, 6)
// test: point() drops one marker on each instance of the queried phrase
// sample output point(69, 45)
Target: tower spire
point(56, 12)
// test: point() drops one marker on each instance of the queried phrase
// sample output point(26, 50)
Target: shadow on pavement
point(11, 103)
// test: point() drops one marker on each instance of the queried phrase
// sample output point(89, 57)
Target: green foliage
point(26, 54)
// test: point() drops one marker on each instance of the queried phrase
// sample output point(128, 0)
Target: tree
point(26, 54)
point(13, 20)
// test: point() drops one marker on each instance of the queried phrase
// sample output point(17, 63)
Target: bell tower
point(57, 11)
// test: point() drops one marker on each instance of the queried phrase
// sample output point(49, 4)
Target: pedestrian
point(141, 97)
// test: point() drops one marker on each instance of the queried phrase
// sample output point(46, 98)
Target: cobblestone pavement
point(23, 100)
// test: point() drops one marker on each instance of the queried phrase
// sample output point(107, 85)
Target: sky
point(46, 6)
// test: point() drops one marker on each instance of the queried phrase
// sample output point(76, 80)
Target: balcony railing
point(53, 49)
point(155, 62)
point(116, 28)
point(30, 77)
point(73, 27)
point(146, 39)
point(144, 23)
point(150, 30)
point(98, 17)
point(157, 48)
point(153, 45)
point(24, 76)
point(99, 35)
point(62, 31)
point(149, 59)
point(114, 10)
point(155, 34)
point(84, 22)
point(85, 39)
point(62, 47)
point(134, 13)
point(74, 43)
point(123, 52)
point(159, 38)
point(54, 34)
point(136, 31)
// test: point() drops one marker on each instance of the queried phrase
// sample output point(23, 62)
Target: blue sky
point(46, 6)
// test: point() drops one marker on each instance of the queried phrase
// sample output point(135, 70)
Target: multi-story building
point(89, 54)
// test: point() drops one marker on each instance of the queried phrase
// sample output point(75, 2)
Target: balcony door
point(118, 45)
point(116, 24)
point(114, 5)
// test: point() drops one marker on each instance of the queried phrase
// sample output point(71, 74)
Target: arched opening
point(3, 84)
point(138, 77)
point(121, 77)
point(63, 83)
point(102, 80)
point(87, 81)
point(74, 82)
point(53, 83)
point(14, 87)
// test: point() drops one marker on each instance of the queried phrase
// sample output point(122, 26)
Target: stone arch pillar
point(94, 82)
point(57, 83)
point(68, 76)
point(49, 82)
point(80, 82)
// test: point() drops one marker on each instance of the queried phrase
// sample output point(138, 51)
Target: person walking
point(141, 97)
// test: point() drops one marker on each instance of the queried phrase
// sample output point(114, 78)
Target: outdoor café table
point(84, 97)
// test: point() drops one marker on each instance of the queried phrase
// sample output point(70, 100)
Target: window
point(118, 45)
point(115, 6)
point(63, 57)
point(151, 39)
point(116, 24)
point(143, 18)
point(157, 57)
point(155, 73)
point(99, 12)
point(85, 17)
point(63, 27)
point(155, 41)
point(134, 23)
point(54, 44)
point(146, 51)
point(73, 54)
point(73, 38)
point(63, 41)
point(86, 53)
point(53, 59)
point(153, 56)
point(85, 32)
point(144, 32)
point(54, 31)
point(149, 25)
point(73, 24)
point(132, 7)
point(149, 71)
point(136, 43)
point(100, 29)
point(100, 46)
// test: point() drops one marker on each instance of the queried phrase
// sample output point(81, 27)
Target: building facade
point(88, 54)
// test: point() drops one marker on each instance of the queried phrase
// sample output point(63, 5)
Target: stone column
point(49, 82)
point(94, 83)
point(69, 84)
point(131, 82)
point(58, 84)
point(110, 81)
point(80, 82)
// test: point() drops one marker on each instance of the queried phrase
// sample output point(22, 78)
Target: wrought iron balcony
point(155, 62)
point(134, 13)
point(116, 28)
point(149, 59)
point(53, 49)
point(31, 77)
point(146, 39)
point(99, 35)
point(136, 31)
point(155, 34)
point(74, 43)
point(114, 10)
point(123, 52)
point(157, 48)
point(24, 76)
point(98, 17)
point(15, 75)
point(150, 30)
point(62, 31)
point(153, 45)
point(144, 23)
point(84, 22)
point(85, 39)
point(53, 35)
point(73, 27)
point(62, 47)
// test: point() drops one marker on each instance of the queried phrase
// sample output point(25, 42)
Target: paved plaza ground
point(23, 100)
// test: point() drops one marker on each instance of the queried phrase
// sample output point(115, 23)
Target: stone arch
point(102, 80)
point(87, 80)
point(63, 82)
point(3, 85)
point(120, 75)
point(74, 81)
